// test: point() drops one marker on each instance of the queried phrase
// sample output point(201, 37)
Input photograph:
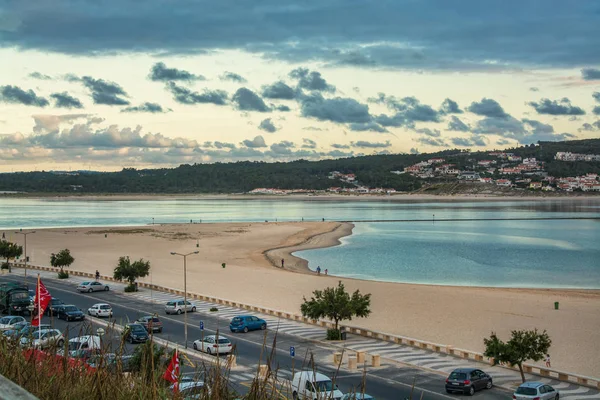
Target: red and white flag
point(172, 372)
point(41, 300)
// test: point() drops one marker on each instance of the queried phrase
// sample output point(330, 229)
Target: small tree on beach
point(130, 271)
point(522, 346)
point(9, 250)
point(337, 305)
point(60, 260)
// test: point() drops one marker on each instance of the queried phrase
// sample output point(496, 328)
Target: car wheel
point(179, 312)
point(106, 288)
point(489, 384)
point(193, 309)
point(245, 329)
point(60, 343)
point(263, 327)
point(195, 346)
point(471, 391)
point(90, 290)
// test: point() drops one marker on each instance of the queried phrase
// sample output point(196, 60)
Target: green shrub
point(63, 275)
point(334, 334)
point(131, 288)
point(214, 309)
point(5, 266)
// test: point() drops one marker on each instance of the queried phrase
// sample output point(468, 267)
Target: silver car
point(92, 286)
point(536, 390)
point(43, 339)
point(6, 323)
point(178, 307)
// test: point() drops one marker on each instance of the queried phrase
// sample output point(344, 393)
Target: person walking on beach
point(325, 271)
point(318, 270)
point(548, 361)
point(282, 261)
point(97, 275)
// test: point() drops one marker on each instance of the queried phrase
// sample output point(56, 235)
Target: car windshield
point(20, 296)
point(236, 320)
point(459, 376)
point(5, 320)
point(70, 309)
point(323, 386)
point(527, 391)
point(137, 328)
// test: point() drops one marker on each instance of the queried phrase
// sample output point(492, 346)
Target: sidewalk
point(439, 363)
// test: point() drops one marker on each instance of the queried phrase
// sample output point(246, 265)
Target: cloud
point(414, 151)
point(337, 109)
point(525, 131)
point(595, 126)
point(160, 73)
point(556, 107)
point(40, 76)
point(309, 144)
point(372, 145)
point(596, 110)
point(224, 145)
point(369, 126)
point(257, 142)
point(488, 108)
point(184, 95)
point(503, 142)
point(105, 92)
point(283, 147)
point(429, 141)
point(313, 128)
point(340, 146)
point(450, 107)
point(247, 100)
point(596, 96)
point(49, 123)
point(16, 95)
point(65, 100)
point(311, 80)
point(281, 107)
point(408, 110)
point(534, 89)
point(267, 125)
point(455, 124)
point(279, 90)
point(233, 77)
point(469, 142)
point(590, 74)
point(429, 132)
point(145, 107)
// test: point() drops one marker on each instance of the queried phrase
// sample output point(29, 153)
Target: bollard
point(376, 360)
point(360, 356)
point(337, 359)
point(351, 362)
point(556, 305)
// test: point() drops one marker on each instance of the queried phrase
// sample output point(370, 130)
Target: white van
point(309, 385)
point(84, 346)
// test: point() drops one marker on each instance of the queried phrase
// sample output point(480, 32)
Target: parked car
point(213, 345)
point(357, 396)
point(84, 347)
point(100, 310)
point(536, 390)
point(150, 322)
point(468, 381)
point(111, 362)
point(15, 329)
point(135, 333)
point(43, 339)
point(8, 322)
point(177, 307)
point(69, 313)
point(192, 390)
point(30, 330)
point(92, 286)
point(311, 385)
point(54, 303)
point(245, 323)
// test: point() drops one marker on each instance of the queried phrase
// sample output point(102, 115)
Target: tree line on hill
point(239, 177)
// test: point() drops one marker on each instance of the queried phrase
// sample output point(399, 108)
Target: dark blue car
point(245, 323)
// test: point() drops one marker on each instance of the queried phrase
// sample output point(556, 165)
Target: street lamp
point(184, 290)
point(25, 235)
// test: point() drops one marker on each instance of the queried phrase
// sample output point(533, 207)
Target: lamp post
point(25, 257)
point(184, 291)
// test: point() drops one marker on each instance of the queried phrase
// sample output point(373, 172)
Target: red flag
point(172, 372)
point(41, 300)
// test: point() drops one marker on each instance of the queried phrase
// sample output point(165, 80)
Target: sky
point(106, 84)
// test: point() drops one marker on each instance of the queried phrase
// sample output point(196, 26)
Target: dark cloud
point(596, 110)
point(311, 80)
point(309, 144)
point(534, 89)
point(429, 141)
point(65, 100)
point(488, 108)
point(372, 145)
point(340, 146)
point(408, 110)
point(455, 124)
point(40, 76)
point(105, 92)
point(160, 72)
point(595, 126)
point(429, 132)
point(16, 95)
point(449, 106)
point(503, 142)
point(590, 74)
point(267, 125)
point(281, 107)
point(313, 128)
point(469, 142)
point(596, 96)
point(283, 147)
point(499, 126)
point(279, 90)
point(184, 95)
point(338, 109)
point(233, 77)
point(414, 151)
point(145, 107)
point(70, 77)
point(556, 107)
point(247, 100)
point(257, 142)
point(369, 126)
point(526, 131)
point(224, 145)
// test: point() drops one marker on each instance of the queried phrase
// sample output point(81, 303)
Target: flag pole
point(39, 301)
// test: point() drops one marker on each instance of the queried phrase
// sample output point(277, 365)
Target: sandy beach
point(459, 316)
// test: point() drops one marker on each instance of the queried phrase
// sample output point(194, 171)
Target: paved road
point(391, 381)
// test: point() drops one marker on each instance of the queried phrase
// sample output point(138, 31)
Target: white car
point(6, 323)
point(43, 339)
point(177, 307)
point(536, 390)
point(212, 345)
point(92, 286)
point(100, 310)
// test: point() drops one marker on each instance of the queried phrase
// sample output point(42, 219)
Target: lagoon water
point(542, 253)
